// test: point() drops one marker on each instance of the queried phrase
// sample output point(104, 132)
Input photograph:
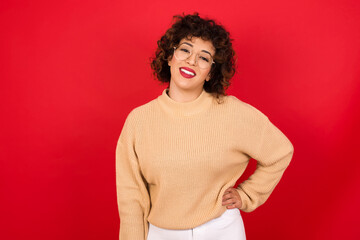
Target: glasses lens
point(204, 60)
point(183, 52)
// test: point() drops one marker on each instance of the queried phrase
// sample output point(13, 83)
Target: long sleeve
point(132, 195)
point(171, 169)
point(273, 155)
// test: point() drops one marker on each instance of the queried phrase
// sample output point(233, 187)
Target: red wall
point(70, 72)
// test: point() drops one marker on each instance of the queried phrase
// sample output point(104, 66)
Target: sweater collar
point(201, 103)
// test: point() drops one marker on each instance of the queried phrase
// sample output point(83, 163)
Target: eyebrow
point(193, 46)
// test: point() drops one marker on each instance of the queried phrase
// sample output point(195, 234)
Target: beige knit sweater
point(175, 160)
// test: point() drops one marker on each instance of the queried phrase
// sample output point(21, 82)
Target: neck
point(183, 96)
point(188, 108)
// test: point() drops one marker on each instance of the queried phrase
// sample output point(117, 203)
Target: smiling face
point(186, 75)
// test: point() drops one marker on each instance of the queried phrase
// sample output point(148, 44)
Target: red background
point(70, 72)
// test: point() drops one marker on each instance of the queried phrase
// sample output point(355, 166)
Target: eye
point(204, 59)
point(184, 50)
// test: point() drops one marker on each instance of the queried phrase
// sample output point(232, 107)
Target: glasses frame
point(196, 57)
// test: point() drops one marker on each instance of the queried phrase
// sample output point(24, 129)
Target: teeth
point(187, 72)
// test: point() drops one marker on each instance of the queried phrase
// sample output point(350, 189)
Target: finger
point(229, 202)
point(229, 191)
point(231, 206)
point(227, 195)
point(227, 198)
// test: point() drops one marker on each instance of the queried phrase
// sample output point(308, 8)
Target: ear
point(169, 60)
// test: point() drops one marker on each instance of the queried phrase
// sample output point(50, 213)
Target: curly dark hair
point(188, 26)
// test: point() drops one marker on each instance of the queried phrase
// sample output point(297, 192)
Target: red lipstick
point(187, 72)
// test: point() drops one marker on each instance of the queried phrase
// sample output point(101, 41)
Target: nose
point(191, 59)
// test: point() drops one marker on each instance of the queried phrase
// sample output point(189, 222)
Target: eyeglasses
point(184, 51)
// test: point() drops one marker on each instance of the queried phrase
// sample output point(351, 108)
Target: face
point(186, 74)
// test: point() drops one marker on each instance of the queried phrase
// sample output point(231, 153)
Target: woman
point(179, 155)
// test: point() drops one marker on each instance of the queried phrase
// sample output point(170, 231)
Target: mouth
point(187, 72)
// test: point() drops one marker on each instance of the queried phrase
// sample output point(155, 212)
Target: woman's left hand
point(231, 198)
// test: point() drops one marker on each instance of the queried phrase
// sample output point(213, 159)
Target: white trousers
point(228, 226)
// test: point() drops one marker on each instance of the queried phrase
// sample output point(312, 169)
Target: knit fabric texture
point(174, 161)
